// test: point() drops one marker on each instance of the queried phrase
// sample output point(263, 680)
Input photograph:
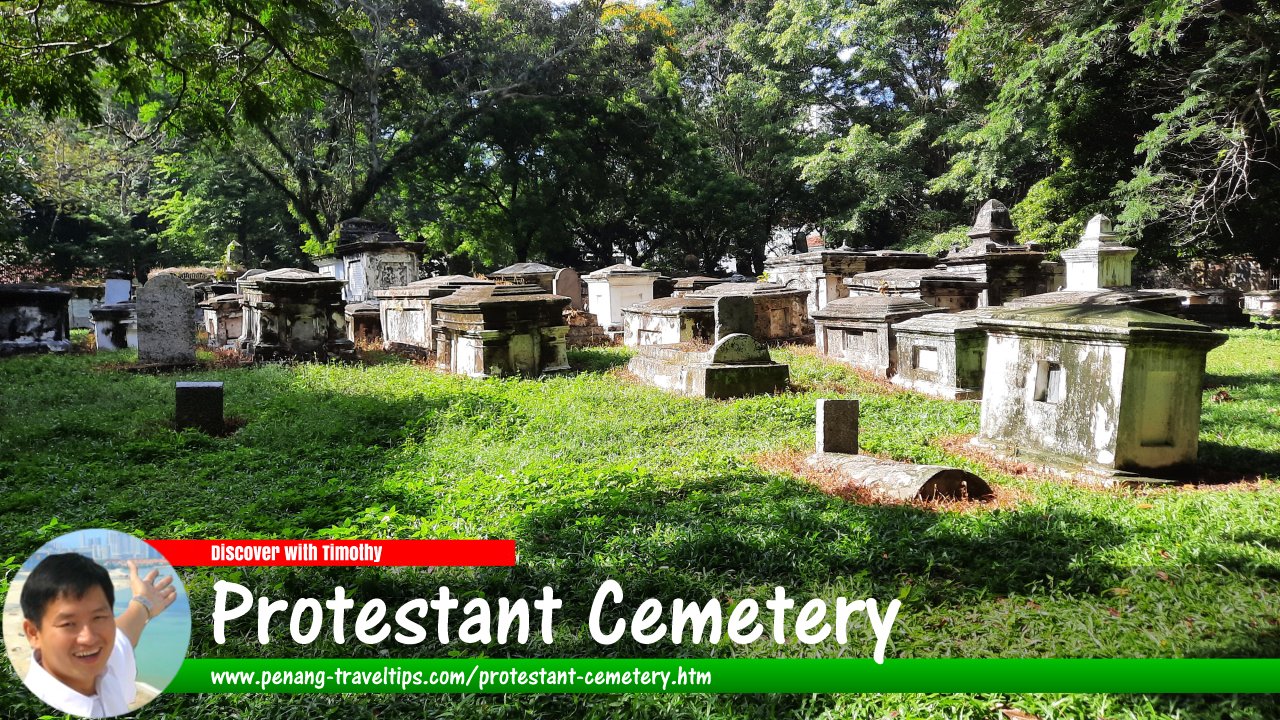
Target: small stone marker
point(838, 426)
point(735, 314)
point(165, 332)
point(199, 405)
point(838, 455)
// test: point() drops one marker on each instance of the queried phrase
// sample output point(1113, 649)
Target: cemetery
point(724, 301)
point(1067, 425)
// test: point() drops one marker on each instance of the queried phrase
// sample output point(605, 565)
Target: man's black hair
point(62, 575)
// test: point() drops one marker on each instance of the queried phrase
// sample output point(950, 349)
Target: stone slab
point(199, 405)
point(902, 481)
point(837, 426)
point(734, 314)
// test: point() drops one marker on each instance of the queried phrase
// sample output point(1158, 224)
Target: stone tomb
point(837, 454)
point(823, 271)
point(115, 323)
point(528, 273)
point(669, 321)
point(611, 289)
point(1110, 389)
point(1263, 304)
point(950, 291)
point(736, 366)
point(485, 331)
point(207, 291)
point(860, 330)
point(293, 313)
point(370, 258)
point(166, 335)
point(1010, 270)
point(781, 313)
point(223, 320)
point(364, 322)
point(1167, 302)
point(406, 311)
point(83, 299)
point(942, 354)
point(691, 284)
point(1099, 261)
point(115, 326)
point(33, 318)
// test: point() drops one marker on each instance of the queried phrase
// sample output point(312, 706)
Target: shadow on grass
point(1227, 463)
point(1264, 643)
point(1250, 381)
point(738, 532)
point(305, 460)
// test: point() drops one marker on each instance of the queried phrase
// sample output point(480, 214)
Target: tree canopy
point(687, 134)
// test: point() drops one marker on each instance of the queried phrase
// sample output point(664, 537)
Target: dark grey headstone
point(199, 406)
point(838, 426)
point(735, 314)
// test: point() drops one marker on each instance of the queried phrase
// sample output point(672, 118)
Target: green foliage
point(881, 107)
point(1068, 88)
point(659, 493)
point(684, 133)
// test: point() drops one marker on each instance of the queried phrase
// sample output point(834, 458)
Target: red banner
point(387, 553)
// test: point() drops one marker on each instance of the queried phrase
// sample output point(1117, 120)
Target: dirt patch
point(622, 373)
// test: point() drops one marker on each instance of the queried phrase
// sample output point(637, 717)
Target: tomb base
point(1092, 473)
point(737, 366)
point(902, 481)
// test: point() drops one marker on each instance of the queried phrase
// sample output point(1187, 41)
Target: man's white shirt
point(116, 686)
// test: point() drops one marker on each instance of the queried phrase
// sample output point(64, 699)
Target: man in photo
point(83, 661)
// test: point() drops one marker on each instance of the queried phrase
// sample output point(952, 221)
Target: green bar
point(744, 675)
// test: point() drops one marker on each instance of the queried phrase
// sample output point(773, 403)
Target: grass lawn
point(596, 477)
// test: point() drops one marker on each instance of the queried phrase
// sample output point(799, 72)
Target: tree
point(1159, 113)
point(214, 57)
point(880, 103)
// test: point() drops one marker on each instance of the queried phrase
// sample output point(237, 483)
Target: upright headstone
point(199, 405)
point(117, 289)
point(735, 314)
point(838, 426)
point(568, 283)
point(165, 332)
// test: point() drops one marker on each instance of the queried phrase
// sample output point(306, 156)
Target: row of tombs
point(1069, 360)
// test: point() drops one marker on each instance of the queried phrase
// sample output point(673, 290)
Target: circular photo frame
point(96, 623)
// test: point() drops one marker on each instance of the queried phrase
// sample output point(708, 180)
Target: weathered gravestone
point(734, 314)
point(567, 283)
point(165, 332)
point(837, 455)
point(838, 426)
point(736, 366)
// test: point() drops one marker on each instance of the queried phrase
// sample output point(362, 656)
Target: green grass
point(596, 477)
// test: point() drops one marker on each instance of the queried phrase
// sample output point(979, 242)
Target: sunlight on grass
point(597, 477)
